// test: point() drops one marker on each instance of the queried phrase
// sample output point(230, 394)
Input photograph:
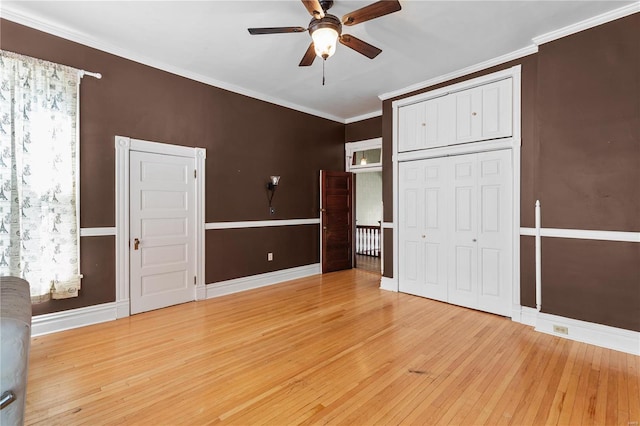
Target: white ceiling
point(208, 41)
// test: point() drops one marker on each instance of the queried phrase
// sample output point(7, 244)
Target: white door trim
point(512, 143)
point(123, 147)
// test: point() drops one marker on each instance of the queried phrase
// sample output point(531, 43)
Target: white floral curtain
point(38, 165)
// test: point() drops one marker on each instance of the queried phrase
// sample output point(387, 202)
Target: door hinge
point(195, 174)
point(195, 282)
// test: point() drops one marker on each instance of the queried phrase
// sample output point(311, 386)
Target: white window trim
point(512, 143)
point(351, 147)
point(124, 146)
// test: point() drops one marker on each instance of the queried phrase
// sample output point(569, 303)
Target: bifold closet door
point(480, 231)
point(423, 228)
point(455, 230)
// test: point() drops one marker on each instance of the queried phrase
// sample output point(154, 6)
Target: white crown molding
point(588, 23)
point(237, 285)
point(366, 116)
point(50, 28)
point(260, 223)
point(98, 232)
point(73, 318)
point(517, 54)
point(584, 234)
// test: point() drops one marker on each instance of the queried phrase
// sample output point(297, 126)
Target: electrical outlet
point(269, 256)
point(560, 329)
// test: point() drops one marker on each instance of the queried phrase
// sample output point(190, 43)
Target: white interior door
point(162, 230)
point(423, 229)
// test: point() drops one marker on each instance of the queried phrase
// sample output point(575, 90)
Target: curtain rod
point(82, 73)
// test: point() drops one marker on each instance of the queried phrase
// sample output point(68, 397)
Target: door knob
point(136, 243)
point(474, 240)
point(324, 227)
point(424, 236)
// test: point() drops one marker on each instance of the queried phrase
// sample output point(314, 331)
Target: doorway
point(364, 159)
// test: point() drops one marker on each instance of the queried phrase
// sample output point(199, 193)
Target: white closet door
point(497, 109)
point(411, 127)
point(480, 259)
point(468, 106)
point(483, 112)
point(463, 231)
point(422, 253)
point(495, 229)
point(438, 121)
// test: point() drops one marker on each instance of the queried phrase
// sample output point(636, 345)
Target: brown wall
point(247, 140)
point(581, 159)
point(589, 128)
point(362, 130)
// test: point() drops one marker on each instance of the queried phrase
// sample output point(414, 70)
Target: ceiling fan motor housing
point(329, 21)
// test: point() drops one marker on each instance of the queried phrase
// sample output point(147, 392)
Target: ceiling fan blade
point(308, 57)
point(360, 46)
point(276, 30)
point(314, 8)
point(374, 10)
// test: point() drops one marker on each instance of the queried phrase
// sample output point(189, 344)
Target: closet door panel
point(463, 255)
point(412, 127)
point(422, 228)
point(466, 128)
point(435, 228)
point(495, 232)
point(410, 251)
point(496, 110)
point(439, 120)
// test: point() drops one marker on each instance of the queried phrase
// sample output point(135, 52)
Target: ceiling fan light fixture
point(324, 41)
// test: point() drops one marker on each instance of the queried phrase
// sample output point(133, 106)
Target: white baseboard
point(73, 318)
point(122, 308)
point(236, 285)
point(201, 292)
point(587, 332)
point(389, 284)
point(528, 316)
point(604, 336)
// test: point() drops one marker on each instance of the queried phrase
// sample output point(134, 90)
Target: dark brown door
point(337, 195)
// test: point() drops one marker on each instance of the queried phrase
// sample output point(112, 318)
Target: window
point(39, 229)
point(364, 155)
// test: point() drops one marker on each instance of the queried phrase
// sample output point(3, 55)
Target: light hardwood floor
point(325, 349)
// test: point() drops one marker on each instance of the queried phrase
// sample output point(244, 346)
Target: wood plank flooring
point(368, 263)
point(331, 349)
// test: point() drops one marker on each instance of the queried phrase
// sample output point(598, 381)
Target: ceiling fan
point(326, 29)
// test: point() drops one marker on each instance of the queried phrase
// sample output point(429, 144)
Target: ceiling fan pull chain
point(323, 61)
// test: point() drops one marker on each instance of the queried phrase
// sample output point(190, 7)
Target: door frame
point(349, 150)
point(124, 146)
point(513, 143)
